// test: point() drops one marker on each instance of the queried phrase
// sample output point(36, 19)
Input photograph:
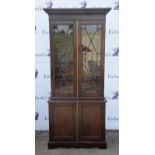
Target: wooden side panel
point(91, 121)
point(62, 121)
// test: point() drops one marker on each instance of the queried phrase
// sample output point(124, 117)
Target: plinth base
point(77, 145)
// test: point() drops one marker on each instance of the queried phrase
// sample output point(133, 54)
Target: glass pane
point(63, 57)
point(91, 55)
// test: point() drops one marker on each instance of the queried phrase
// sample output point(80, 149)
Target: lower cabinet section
point(76, 124)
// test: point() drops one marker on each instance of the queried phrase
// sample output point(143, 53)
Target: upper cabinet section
point(77, 42)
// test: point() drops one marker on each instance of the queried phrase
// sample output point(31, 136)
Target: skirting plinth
point(87, 144)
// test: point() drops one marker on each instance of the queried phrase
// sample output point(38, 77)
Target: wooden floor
point(112, 138)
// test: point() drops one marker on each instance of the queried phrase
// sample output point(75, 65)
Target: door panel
point(91, 120)
point(64, 58)
point(63, 121)
point(90, 61)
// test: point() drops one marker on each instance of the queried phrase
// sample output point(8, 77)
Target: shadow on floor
point(112, 139)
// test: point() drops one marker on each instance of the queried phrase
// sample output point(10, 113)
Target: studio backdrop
point(42, 60)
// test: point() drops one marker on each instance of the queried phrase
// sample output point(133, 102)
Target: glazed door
point(78, 71)
point(91, 54)
point(63, 68)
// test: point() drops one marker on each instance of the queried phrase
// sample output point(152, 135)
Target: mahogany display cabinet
point(77, 103)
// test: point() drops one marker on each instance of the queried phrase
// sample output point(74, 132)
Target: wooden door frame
point(91, 22)
point(53, 94)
